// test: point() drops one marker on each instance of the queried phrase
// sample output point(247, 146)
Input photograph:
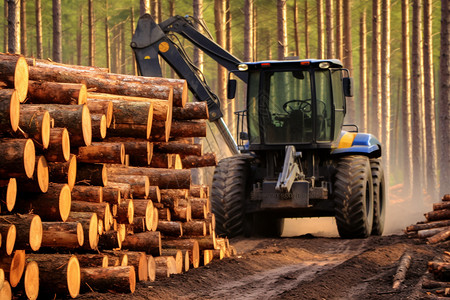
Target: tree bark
point(140, 150)
point(329, 11)
point(192, 161)
point(28, 230)
point(149, 242)
point(438, 215)
point(125, 212)
point(14, 72)
point(363, 78)
point(194, 228)
point(192, 111)
point(91, 31)
point(220, 29)
point(104, 107)
point(185, 244)
point(111, 279)
point(98, 124)
point(87, 193)
point(57, 31)
point(39, 182)
point(89, 222)
point(248, 30)
point(13, 267)
point(36, 123)
point(197, 6)
point(13, 26)
point(348, 56)
point(165, 266)
point(296, 31)
point(282, 30)
point(428, 225)
point(178, 148)
point(444, 98)
point(79, 36)
point(38, 16)
point(102, 152)
point(18, 158)
point(23, 27)
point(320, 31)
point(92, 260)
point(140, 185)
point(376, 69)
point(386, 83)
point(62, 235)
point(41, 92)
point(170, 228)
point(8, 237)
point(144, 208)
point(9, 111)
point(59, 145)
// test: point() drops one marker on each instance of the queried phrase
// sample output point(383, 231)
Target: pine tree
point(386, 82)
point(57, 31)
point(38, 13)
point(13, 26)
point(363, 84)
point(282, 29)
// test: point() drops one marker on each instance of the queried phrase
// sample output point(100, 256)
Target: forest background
point(391, 47)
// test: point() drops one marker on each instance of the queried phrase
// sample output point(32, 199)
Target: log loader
point(291, 157)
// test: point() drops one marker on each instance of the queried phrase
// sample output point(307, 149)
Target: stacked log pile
point(96, 180)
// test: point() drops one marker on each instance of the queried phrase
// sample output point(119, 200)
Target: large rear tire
point(228, 194)
point(353, 197)
point(379, 197)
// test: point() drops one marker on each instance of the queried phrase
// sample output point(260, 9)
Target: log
point(125, 212)
point(440, 206)
point(140, 263)
point(206, 160)
point(36, 124)
point(121, 229)
point(117, 258)
point(144, 208)
point(2, 278)
point(13, 266)
point(160, 160)
point(111, 195)
point(430, 232)
point(100, 152)
point(176, 162)
point(59, 274)
point(89, 223)
point(102, 210)
point(155, 219)
point(154, 193)
point(38, 62)
point(5, 291)
point(165, 265)
point(164, 214)
point(186, 261)
point(88, 193)
point(208, 256)
point(52, 206)
point(40, 180)
point(190, 245)
point(140, 185)
point(171, 197)
point(429, 225)
point(439, 237)
point(160, 131)
point(100, 107)
point(218, 253)
point(110, 240)
point(210, 222)
point(130, 130)
point(194, 228)
point(149, 242)
point(92, 174)
point(438, 215)
point(199, 191)
point(28, 230)
point(205, 242)
point(177, 255)
point(151, 264)
point(15, 72)
point(9, 111)
point(111, 279)
point(64, 172)
point(178, 148)
point(137, 113)
point(8, 237)
point(63, 235)
point(76, 118)
point(150, 87)
point(8, 194)
point(191, 111)
point(170, 228)
point(59, 146)
point(446, 197)
point(92, 260)
point(199, 208)
point(125, 189)
point(165, 179)
point(31, 280)
point(162, 109)
point(183, 214)
point(44, 92)
point(98, 122)
point(140, 150)
point(18, 158)
point(137, 226)
point(195, 128)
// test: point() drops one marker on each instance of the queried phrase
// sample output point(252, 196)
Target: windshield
point(288, 105)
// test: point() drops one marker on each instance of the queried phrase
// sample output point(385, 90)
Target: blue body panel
point(363, 144)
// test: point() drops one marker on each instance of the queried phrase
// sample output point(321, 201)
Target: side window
point(339, 101)
point(252, 107)
point(324, 100)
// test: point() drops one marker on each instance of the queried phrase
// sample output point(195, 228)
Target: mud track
point(298, 268)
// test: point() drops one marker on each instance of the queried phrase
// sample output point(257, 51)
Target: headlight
point(242, 67)
point(324, 65)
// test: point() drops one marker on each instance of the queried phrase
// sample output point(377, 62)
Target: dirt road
point(303, 267)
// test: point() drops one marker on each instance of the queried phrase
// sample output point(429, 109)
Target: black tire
point(353, 197)
point(379, 196)
point(228, 194)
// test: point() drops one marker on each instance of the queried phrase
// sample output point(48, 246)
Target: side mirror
point(348, 86)
point(231, 89)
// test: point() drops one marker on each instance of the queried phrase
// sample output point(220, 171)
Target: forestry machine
point(291, 158)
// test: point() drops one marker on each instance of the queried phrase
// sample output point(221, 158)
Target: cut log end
point(82, 95)
point(65, 202)
point(45, 130)
point(36, 231)
point(14, 111)
point(17, 267)
point(21, 78)
point(11, 194)
point(86, 125)
point(10, 239)
point(80, 234)
point(72, 171)
point(31, 280)
point(73, 277)
point(42, 174)
point(5, 291)
point(29, 158)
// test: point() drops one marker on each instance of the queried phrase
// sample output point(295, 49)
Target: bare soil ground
point(304, 267)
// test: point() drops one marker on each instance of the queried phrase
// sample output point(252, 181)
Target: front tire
point(353, 197)
point(229, 191)
point(379, 197)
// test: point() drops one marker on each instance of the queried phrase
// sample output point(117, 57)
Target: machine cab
point(295, 102)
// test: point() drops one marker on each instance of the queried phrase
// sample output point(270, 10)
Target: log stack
point(97, 186)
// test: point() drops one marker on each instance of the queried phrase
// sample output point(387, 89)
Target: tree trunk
point(306, 19)
point(140, 185)
point(91, 31)
point(194, 228)
point(282, 30)
point(386, 83)
point(178, 148)
point(92, 260)
point(376, 69)
point(92, 174)
point(192, 161)
point(18, 158)
point(13, 26)
point(417, 96)
point(430, 119)
point(140, 150)
point(41, 92)
point(62, 235)
point(220, 26)
point(296, 31)
point(39, 49)
point(125, 212)
point(89, 222)
point(330, 27)
point(14, 72)
point(144, 7)
point(165, 265)
point(58, 274)
point(198, 13)
point(149, 242)
point(112, 279)
point(23, 27)
point(64, 172)
point(39, 182)
point(9, 110)
point(248, 30)
point(8, 237)
point(5, 27)
point(80, 37)
point(36, 124)
point(320, 31)
point(125, 189)
point(348, 56)
point(102, 107)
point(8, 194)
point(363, 78)
point(88, 193)
point(28, 230)
point(113, 153)
point(58, 149)
point(442, 214)
point(444, 98)
point(98, 124)
point(339, 32)
point(57, 31)
point(111, 195)
point(190, 245)
point(144, 208)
